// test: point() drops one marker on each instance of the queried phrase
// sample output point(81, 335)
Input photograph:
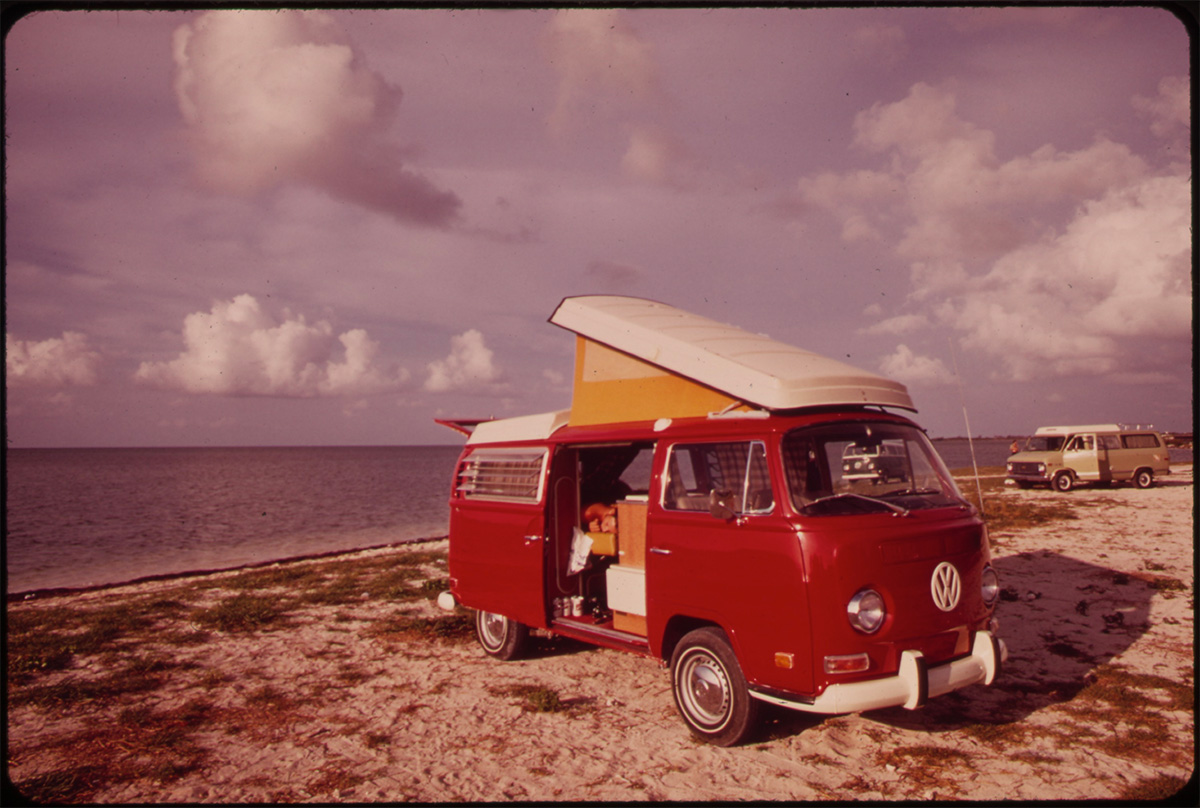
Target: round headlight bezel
point(989, 586)
point(867, 611)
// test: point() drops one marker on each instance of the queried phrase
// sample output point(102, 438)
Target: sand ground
point(1097, 700)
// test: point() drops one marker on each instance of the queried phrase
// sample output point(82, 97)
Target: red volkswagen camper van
point(694, 506)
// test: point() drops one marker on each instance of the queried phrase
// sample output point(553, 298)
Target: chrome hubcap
point(493, 629)
point(706, 689)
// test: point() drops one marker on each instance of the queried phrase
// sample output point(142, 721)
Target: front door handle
point(533, 538)
point(660, 550)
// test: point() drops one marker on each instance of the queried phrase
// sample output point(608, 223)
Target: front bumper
point(1029, 478)
point(1029, 472)
point(912, 685)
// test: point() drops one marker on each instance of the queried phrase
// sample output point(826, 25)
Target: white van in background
point(1063, 456)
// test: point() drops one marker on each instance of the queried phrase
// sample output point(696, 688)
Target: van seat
point(691, 502)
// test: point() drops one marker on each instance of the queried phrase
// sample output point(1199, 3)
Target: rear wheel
point(1144, 478)
point(1063, 481)
point(501, 637)
point(710, 690)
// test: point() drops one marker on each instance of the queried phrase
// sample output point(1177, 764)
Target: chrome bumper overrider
point(911, 686)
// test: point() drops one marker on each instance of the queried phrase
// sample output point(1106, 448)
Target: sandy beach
point(338, 680)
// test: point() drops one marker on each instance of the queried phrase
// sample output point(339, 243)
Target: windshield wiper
point(851, 495)
point(917, 492)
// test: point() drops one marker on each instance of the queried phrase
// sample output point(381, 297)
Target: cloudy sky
point(271, 228)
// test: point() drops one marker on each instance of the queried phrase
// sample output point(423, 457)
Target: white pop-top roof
point(1071, 430)
point(752, 368)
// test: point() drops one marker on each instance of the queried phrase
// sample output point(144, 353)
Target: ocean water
point(85, 517)
point(956, 452)
point(88, 517)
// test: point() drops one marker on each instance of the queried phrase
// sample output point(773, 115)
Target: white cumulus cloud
point(912, 368)
point(1046, 264)
point(598, 57)
point(468, 367)
point(283, 96)
point(1069, 304)
point(955, 199)
point(901, 324)
point(657, 156)
point(1170, 111)
point(240, 349)
point(58, 362)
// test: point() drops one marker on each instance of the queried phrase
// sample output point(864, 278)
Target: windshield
point(865, 467)
point(1044, 443)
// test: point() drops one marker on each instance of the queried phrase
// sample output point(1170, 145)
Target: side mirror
point(720, 503)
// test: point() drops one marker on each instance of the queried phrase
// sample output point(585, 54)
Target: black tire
point(1143, 478)
point(1063, 481)
point(501, 637)
point(709, 688)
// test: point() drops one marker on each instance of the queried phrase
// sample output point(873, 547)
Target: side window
point(735, 471)
point(1140, 441)
point(503, 475)
point(1109, 441)
point(1081, 443)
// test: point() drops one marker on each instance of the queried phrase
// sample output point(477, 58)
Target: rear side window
point(1140, 441)
point(734, 473)
point(504, 475)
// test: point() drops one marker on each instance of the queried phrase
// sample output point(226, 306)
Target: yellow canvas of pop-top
point(612, 387)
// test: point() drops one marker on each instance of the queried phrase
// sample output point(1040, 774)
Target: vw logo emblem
point(946, 586)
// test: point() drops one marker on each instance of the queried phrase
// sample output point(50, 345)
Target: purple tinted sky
point(272, 228)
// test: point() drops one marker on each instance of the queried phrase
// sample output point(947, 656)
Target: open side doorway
point(589, 486)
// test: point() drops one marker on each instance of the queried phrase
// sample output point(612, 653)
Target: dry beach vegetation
point(337, 679)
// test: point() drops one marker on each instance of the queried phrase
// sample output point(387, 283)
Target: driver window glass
point(736, 470)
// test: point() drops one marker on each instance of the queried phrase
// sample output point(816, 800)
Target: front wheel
point(710, 690)
point(1063, 481)
point(1144, 478)
point(501, 637)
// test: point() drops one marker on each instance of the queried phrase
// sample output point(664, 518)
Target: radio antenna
point(967, 421)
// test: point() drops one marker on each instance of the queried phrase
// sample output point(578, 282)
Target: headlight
point(990, 585)
point(866, 611)
point(1041, 468)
